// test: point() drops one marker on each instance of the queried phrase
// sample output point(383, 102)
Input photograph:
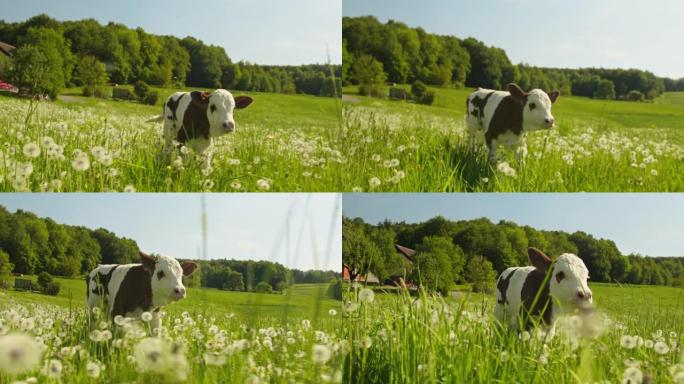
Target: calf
point(194, 118)
point(503, 118)
point(559, 286)
point(130, 289)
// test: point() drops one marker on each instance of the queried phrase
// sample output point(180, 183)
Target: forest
point(393, 52)
point(129, 55)
point(30, 244)
point(467, 251)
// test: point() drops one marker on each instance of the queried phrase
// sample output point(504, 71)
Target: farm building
point(370, 279)
point(403, 267)
point(6, 51)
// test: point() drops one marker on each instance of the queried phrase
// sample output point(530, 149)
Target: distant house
point(6, 49)
point(402, 269)
point(369, 279)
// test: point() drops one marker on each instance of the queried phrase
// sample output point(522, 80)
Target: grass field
point(634, 336)
point(282, 143)
point(211, 336)
point(597, 145)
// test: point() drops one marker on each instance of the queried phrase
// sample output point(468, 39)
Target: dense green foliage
point(503, 244)
point(130, 55)
point(40, 245)
point(410, 54)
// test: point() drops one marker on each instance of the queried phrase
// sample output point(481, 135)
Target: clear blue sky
point(650, 224)
point(554, 33)
point(239, 226)
point(261, 31)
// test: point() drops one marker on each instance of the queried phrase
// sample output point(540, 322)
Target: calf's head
point(219, 106)
point(536, 106)
point(567, 278)
point(167, 277)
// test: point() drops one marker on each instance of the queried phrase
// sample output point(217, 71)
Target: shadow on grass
point(470, 167)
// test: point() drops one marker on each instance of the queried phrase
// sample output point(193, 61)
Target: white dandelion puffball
point(374, 182)
point(332, 312)
point(129, 188)
point(146, 316)
point(263, 184)
point(19, 353)
point(92, 369)
point(661, 348)
point(628, 342)
point(366, 295)
point(633, 375)
point(320, 354)
point(31, 150)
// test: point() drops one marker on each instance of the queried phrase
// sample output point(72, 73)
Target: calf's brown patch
point(135, 291)
point(502, 286)
point(195, 121)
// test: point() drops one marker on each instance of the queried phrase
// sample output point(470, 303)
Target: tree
point(480, 272)
point(436, 268)
point(359, 252)
point(92, 75)
point(369, 74)
point(263, 287)
point(605, 89)
point(234, 282)
point(635, 95)
point(43, 63)
point(5, 269)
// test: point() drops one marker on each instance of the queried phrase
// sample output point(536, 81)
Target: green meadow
point(634, 335)
point(211, 336)
point(282, 143)
point(597, 145)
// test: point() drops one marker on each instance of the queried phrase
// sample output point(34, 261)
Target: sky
point(553, 33)
point(300, 230)
point(270, 32)
point(650, 224)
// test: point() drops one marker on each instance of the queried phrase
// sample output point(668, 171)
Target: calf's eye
point(533, 106)
point(560, 276)
point(212, 108)
point(160, 275)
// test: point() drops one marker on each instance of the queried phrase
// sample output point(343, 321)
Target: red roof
point(8, 87)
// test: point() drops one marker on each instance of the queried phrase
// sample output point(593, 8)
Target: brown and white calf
point(503, 118)
point(131, 289)
point(195, 118)
point(559, 286)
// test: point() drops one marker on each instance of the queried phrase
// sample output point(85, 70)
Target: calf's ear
point(553, 96)
point(242, 102)
point(200, 99)
point(516, 92)
point(538, 259)
point(188, 267)
point(148, 261)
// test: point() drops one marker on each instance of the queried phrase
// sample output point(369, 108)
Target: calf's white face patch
point(569, 280)
point(167, 277)
point(221, 105)
point(536, 107)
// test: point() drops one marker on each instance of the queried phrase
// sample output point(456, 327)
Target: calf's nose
point(584, 295)
point(179, 291)
point(549, 121)
point(229, 126)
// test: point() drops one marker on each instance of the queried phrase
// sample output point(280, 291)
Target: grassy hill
point(282, 143)
point(430, 339)
point(597, 145)
point(299, 302)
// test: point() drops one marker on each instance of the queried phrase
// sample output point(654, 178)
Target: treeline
point(400, 54)
point(30, 245)
point(250, 275)
point(129, 55)
point(450, 252)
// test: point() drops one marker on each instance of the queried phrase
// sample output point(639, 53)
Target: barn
point(6, 51)
point(370, 279)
